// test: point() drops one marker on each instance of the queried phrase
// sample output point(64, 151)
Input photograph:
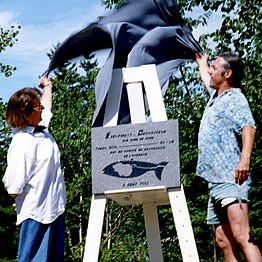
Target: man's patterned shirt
point(220, 135)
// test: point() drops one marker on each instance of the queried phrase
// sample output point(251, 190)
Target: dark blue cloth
point(139, 33)
point(39, 128)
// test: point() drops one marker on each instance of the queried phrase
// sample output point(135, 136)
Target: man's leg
point(239, 224)
point(223, 236)
point(227, 243)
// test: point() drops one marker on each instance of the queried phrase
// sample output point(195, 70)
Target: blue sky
point(44, 24)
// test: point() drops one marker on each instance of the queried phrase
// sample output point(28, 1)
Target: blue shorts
point(41, 242)
point(221, 196)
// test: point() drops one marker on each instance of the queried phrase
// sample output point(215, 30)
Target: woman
point(33, 175)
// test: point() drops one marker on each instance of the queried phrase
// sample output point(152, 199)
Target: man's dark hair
point(234, 63)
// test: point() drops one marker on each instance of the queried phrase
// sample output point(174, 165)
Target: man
point(226, 138)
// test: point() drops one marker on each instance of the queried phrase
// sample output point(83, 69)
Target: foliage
point(73, 107)
point(7, 213)
point(110, 4)
point(185, 99)
point(124, 237)
point(186, 103)
point(8, 37)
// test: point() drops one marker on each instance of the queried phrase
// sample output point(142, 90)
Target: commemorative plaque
point(135, 156)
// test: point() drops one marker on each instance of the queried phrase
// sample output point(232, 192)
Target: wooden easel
point(149, 197)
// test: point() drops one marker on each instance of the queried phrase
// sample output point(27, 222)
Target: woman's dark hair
point(21, 105)
point(234, 63)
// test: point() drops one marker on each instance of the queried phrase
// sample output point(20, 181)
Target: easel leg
point(94, 230)
point(152, 232)
point(183, 225)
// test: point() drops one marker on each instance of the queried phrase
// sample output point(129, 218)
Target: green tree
point(73, 108)
point(123, 237)
point(186, 98)
point(8, 233)
point(8, 37)
point(234, 35)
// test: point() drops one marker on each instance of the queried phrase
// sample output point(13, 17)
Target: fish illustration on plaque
point(131, 169)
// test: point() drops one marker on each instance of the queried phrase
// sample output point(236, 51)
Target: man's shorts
point(221, 196)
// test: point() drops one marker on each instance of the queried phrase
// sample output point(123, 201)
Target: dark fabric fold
point(139, 33)
point(39, 128)
point(167, 9)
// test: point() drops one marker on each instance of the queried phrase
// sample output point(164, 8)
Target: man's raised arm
point(203, 67)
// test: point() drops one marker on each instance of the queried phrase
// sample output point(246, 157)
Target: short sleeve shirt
point(220, 135)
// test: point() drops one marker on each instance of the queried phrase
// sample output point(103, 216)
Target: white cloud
point(36, 38)
point(6, 18)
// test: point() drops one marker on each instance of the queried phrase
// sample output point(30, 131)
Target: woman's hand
point(45, 81)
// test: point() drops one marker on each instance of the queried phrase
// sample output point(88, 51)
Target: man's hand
point(242, 170)
point(202, 61)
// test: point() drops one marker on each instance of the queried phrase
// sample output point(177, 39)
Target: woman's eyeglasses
point(40, 107)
